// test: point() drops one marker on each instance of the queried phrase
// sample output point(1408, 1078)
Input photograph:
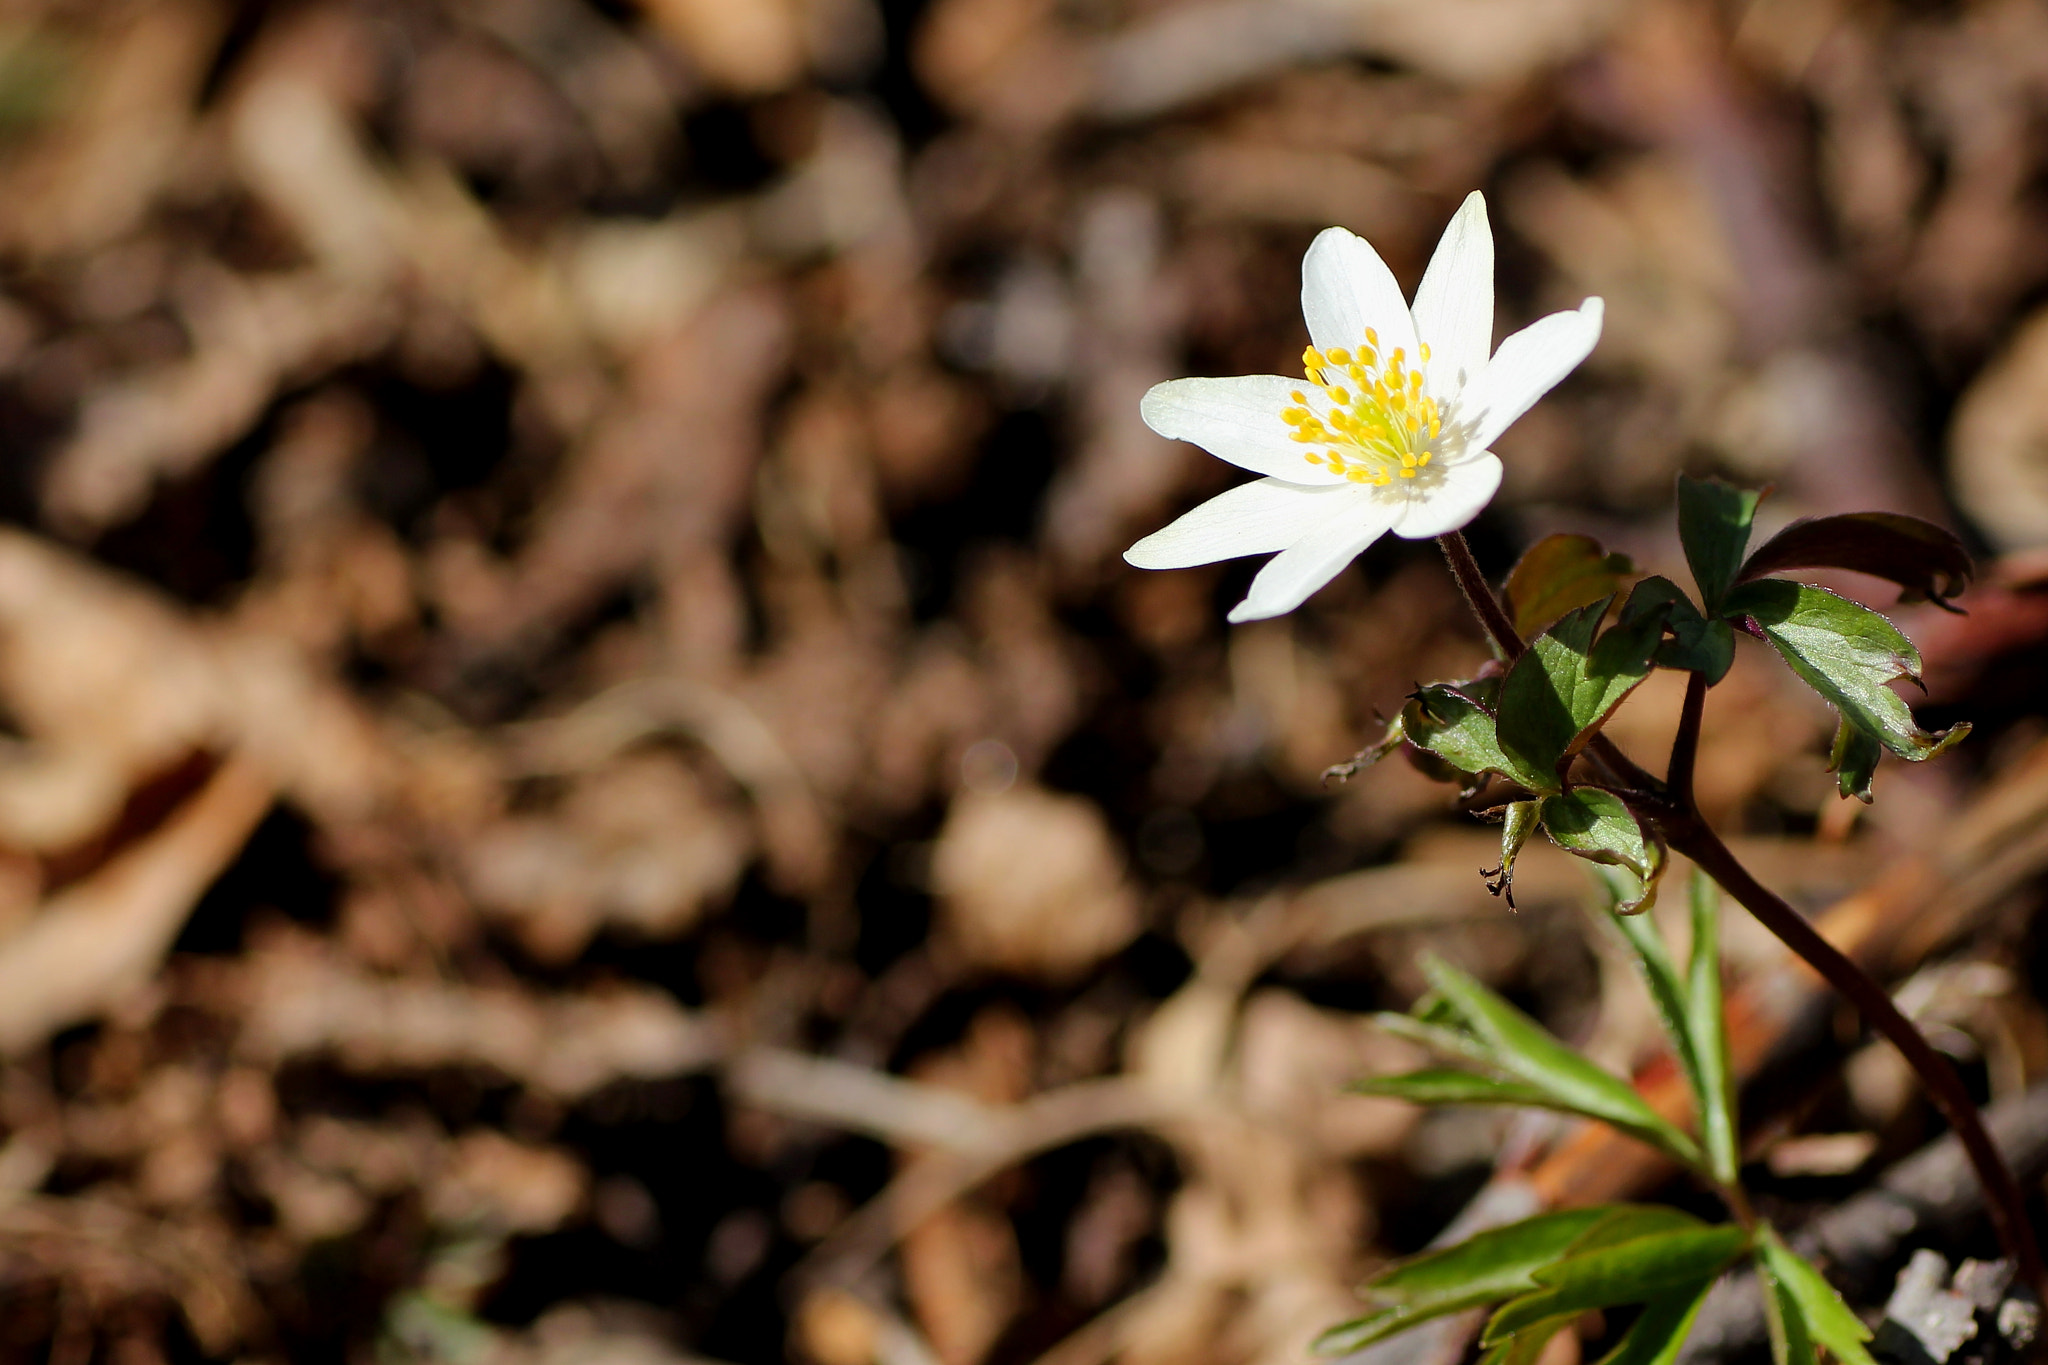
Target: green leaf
point(1656, 1336)
point(1806, 1296)
point(1526, 1346)
point(1597, 826)
point(1853, 760)
point(1926, 561)
point(1697, 645)
point(1707, 1026)
point(1485, 1268)
point(1454, 724)
point(1634, 1271)
point(1566, 684)
point(1713, 525)
point(1847, 653)
point(1559, 573)
point(1523, 1049)
point(1668, 995)
point(1445, 1040)
point(1445, 1086)
point(1517, 824)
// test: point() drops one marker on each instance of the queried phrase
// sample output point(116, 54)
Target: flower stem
point(1670, 806)
point(2003, 1198)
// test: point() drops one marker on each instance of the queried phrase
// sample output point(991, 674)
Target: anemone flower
point(1389, 429)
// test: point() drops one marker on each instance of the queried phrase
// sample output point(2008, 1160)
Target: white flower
point(1388, 433)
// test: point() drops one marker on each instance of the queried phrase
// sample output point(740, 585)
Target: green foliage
point(1518, 822)
point(1807, 1308)
point(1464, 1019)
point(1455, 722)
point(1853, 759)
point(1698, 644)
point(1926, 561)
point(1560, 573)
point(1565, 685)
point(1483, 1269)
point(1848, 654)
point(1713, 525)
point(1596, 825)
point(1635, 1271)
point(1706, 1034)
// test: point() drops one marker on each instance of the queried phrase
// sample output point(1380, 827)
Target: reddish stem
point(1670, 806)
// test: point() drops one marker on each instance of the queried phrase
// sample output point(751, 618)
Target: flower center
point(1381, 426)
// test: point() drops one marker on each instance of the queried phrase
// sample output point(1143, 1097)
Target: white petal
point(1252, 519)
point(1467, 487)
point(1297, 571)
point(1236, 420)
point(1527, 366)
point(1346, 288)
point(1454, 303)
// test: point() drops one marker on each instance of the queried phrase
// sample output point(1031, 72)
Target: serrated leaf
point(1445, 1086)
point(1926, 561)
point(1634, 1271)
point(1658, 1333)
point(1807, 1296)
point(1713, 525)
point(1558, 574)
point(1485, 1268)
point(1598, 827)
point(1557, 695)
point(1853, 759)
point(1526, 1051)
point(1847, 653)
point(1697, 645)
point(1456, 726)
point(1707, 1026)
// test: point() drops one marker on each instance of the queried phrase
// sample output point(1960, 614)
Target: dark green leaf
point(1566, 684)
point(1922, 558)
point(1853, 759)
point(1596, 825)
point(1529, 1053)
point(1713, 525)
point(1825, 1318)
point(1485, 1268)
point(1445, 1086)
point(1455, 726)
point(1634, 1271)
point(1707, 1026)
point(1559, 573)
point(1697, 644)
point(1847, 653)
point(1656, 1335)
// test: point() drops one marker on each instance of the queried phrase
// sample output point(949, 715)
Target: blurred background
point(584, 779)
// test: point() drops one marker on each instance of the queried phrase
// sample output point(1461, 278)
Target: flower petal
point(1467, 487)
point(1527, 366)
point(1346, 288)
point(1255, 518)
point(1454, 302)
point(1237, 420)
point(1297, 571)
